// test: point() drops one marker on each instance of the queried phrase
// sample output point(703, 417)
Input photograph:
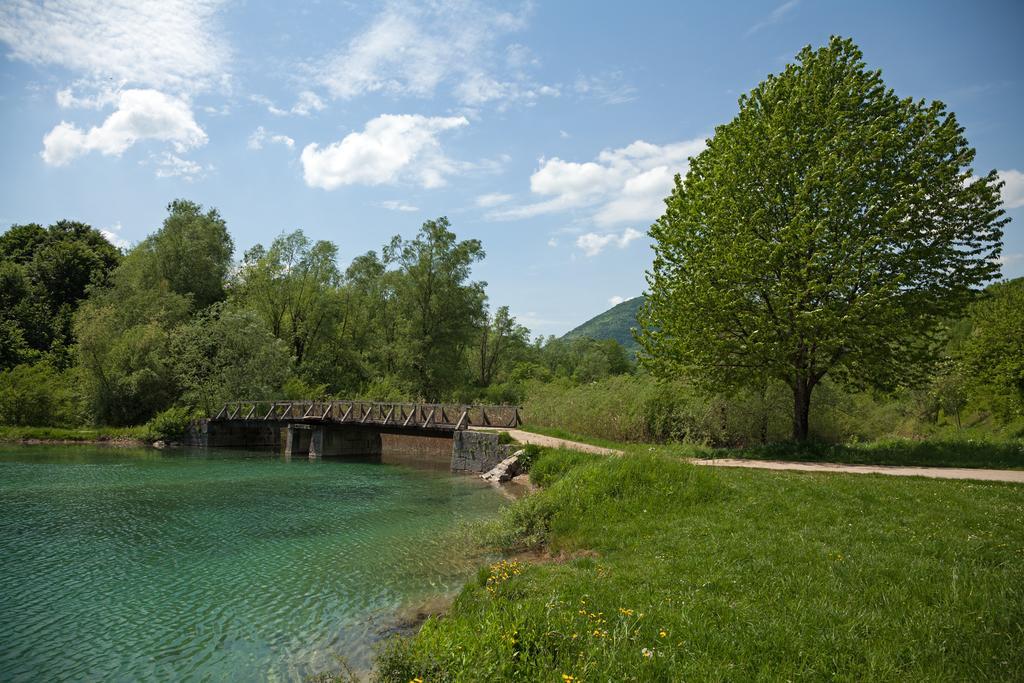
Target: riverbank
point(97, 436)
point(683, 572)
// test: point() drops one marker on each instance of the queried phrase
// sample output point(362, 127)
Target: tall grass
point(663, 571)
point(638, 408)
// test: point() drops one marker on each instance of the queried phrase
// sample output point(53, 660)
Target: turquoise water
point(134, 564)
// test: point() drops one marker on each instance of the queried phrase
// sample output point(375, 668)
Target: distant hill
point(615, 323)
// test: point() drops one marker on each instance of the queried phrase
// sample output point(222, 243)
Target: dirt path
point(1015, 476)
point(550, 441)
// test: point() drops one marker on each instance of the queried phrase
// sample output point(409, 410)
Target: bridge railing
point(422, 415)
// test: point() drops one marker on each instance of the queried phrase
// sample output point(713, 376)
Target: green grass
point(983, 453)
point(728, 574)
point(8, 433)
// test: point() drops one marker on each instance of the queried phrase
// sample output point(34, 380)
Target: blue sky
point(548, 130)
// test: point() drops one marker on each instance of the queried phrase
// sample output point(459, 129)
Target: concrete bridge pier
point(303, 439)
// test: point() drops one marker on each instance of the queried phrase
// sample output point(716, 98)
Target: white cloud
point(112, 235)
point(776, 16)
point(260, 136)
point(390, 148)
point(552, 242)
point(1013, 190)
point(519, 56)
point(616, 300)
point(486, 201)
point(171, 166)
point(593, 244)
point(621, 185)
point(562, 134)
point(307, 103)
point(610, 88)
point(398, 205)
point(140, 115)
point(1010, 259)
point(412, 50)
point(103, 97)
point(166, 44)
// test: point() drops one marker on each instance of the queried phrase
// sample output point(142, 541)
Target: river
point(136, 564)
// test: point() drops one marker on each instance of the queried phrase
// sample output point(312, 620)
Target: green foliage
point(71, 434)
point(170, 423)
point(385, 389)
point(440, 308)
point(826, 230)
point(298, 389)
point(190, 256)
point(224, 354)
point(124, 352)
point(583, 360)
point(528, 455)
point(617, 323)
point(740, 575)
point(292, 287)
point(44, 275)
point(503, 341)
point(38, 395)
point(993, 354)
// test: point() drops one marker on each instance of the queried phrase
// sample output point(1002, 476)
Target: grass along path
point(669, 571)
point(1016, 476)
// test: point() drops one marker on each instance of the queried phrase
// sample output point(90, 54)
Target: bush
point(170, 424)
point(528, 455)
point(39, 396)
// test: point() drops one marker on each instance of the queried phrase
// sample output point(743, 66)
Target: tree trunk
point(801, 408)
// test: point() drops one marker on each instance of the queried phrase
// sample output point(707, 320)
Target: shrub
point(528, 455)
point(38, 395)
point(170, 423)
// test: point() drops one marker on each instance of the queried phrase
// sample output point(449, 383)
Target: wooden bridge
point(439, 416)
point(437, 433)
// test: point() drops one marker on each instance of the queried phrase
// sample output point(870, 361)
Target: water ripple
point(129, 565)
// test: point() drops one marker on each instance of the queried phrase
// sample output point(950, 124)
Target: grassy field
point(653, 569)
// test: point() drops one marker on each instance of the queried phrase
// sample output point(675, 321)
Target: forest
point(174, 327)
point(91, 335)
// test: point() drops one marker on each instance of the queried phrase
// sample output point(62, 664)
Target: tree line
point(93, 335)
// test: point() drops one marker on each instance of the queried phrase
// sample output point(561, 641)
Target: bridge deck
point(441, 416)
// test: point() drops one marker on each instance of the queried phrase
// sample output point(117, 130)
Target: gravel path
point(550, 441)
point(1014, 476)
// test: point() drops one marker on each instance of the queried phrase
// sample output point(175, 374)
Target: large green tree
point(190, 255)
point(292, 286)
point(441, 309)
point(823, 231)
point(124, 332)
point(44, 274)
point(227, 354)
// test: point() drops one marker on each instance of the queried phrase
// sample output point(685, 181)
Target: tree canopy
point(825, 230)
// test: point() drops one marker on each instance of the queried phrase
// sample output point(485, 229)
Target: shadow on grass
point(950, 453)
